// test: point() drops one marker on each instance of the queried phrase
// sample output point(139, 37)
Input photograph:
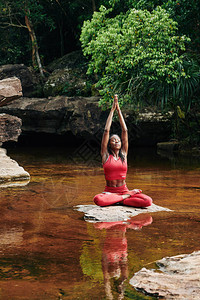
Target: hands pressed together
point(115, 103)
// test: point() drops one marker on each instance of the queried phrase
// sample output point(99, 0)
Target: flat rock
point(94, 213)
point(10, 170)
point(177, 278)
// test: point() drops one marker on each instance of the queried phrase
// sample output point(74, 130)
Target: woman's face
point(115, 142)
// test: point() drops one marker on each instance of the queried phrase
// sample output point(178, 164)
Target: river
point(47, 249)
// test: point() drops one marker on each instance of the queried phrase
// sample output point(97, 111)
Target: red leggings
point(115, 196)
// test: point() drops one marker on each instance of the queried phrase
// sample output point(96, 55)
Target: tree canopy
point(57, 24)
point(131, 50)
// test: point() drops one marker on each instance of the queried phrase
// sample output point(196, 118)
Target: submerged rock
point(114, 213)
point(179, 279)
point(10, 170)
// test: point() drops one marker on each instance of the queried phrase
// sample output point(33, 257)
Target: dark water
point(48, 251)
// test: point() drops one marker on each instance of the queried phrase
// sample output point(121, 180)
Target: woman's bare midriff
point(115, 183)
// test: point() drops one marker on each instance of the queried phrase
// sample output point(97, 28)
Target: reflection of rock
point(10, 170)
point(179, 278)
point(113, 213)
point(11, 237)
point(14, 183)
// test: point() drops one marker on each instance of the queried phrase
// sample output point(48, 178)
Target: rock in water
point(10, 170)
point(94, 213)
point(180, 278)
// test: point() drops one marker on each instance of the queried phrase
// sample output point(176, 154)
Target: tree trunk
point(94, 5)
point(35, 52)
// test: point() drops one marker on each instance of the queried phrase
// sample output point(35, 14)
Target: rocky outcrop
point(11, 174)
point(82, 117)
point(94, 213)
point(68, 76)
point(10, 171)
point(10, 89)
point(178, 278)
point(27, 77)
point(10, 128)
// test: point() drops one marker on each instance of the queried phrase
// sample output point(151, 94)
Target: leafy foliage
point(130, 50)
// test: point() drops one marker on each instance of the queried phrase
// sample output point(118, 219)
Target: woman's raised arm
point(124, 134)
point(106, 134)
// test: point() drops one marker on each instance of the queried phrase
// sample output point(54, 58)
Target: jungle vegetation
point(147, 51)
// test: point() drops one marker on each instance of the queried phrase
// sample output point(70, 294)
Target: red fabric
point(115, 169)
point(115, 196)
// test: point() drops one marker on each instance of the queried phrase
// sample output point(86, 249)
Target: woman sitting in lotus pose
point(114, 160)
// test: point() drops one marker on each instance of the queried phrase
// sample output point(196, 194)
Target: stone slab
point(94, 213)
point(83, 118)
point(177, 278)
point(10, 170)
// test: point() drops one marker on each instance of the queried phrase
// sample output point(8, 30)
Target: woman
point(114, 160)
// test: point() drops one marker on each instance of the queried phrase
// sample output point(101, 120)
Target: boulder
point(10, 89)
point(27, 77)
point(177, 278)
point(168, 147)
point(114, 213)
point(68, 76)
point(10, 170)
point(82, 117)
point(10, 128)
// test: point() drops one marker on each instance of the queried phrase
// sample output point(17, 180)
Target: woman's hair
point(110, 151)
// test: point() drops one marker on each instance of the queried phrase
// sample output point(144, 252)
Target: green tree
point(185, 13)
point(128, 51)
point(27, 14)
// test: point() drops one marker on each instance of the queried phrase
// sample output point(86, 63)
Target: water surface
point(48, 251)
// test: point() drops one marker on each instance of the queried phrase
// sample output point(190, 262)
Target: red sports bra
point(115, 169)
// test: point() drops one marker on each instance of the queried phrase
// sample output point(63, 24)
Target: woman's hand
point(116, 102)
point(137, 191)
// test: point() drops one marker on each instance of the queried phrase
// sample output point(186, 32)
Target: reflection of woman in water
point(114, 254)
point(114, 160)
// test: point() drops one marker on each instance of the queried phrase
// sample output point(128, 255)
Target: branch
point(7, 24)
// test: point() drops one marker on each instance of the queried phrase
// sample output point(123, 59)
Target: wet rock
point(82, 117)
point(10, 89)
point(178, 278)
point(94, 213)
point(10, 128)
point(10, 170)
point(168, 147)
